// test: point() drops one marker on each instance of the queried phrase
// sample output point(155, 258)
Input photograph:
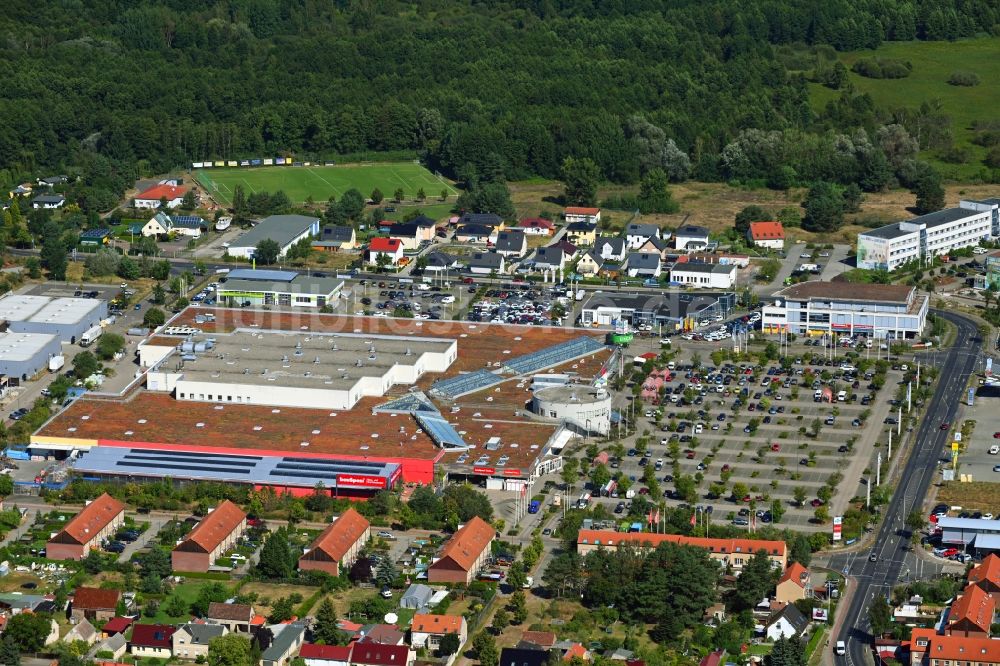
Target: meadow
point(319, 183)
point(933, 64)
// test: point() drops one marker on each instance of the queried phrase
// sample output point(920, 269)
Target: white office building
point(876, 310)
point(704, 276)
point(924, 237)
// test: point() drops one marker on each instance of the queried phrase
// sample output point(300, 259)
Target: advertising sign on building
point(484, 470)
point(838, 528)
point(360, 481)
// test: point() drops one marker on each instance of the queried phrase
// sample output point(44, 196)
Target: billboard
point(196, 165)
point(838, 528)
point(268, 161)
point(220, 163)
point(255, 162)
point(232, 163)
point(244, 163)
point(873, 253)
point(360, 481)
point(279, 160)
point(484, 470)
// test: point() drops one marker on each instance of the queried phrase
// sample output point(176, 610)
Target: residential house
point(476, 233)
point(416, 596)
point(567, 247)
point(573, 650)
point(383, 634)
point(285, 230)
point(659, 245)
point(972, 614)
point(162, 224)
point(20, 603)
point(582, 214)
point(94, 603)
point(511, 243)
point(581, 233)
point(190, 641)
point(95, 237)
point(986, 574)
point(733, 553)
point(392, 248)
point(158, 225)
point(217, 532)
point(48, 201)
point(426, 631)
point(52, 181)
point(485, 219)
point(367, 653)
point(590, 264)
point(643, 264)
point(151, 640)
point(536, 226)
point(786, 623)
point(440, 261)
point(636, 234)
point(82, 631)
point(486, 263)
point(713, 658)
point(237, 618)
point(613, 249)
point(326, 655)
point(414, 232)
point(770, 235)
point(793, 584)
point(339, 545)
point(704, 276)
point(156, 195)
point(549, 259)
point(464, 554)
point(523, 657)
point(928, 648)
point(116, 625)
point(115, 645)
point(288, 638)
point(339, 237)
point(97, 521)
point(691, 237)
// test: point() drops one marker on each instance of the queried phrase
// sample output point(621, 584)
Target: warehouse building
point(285, 230)
point(670, 310)
point(925, 237)
point(876, 310)
point(247, 287)
point(24, 355)
point(65, 318)
point(311, 370)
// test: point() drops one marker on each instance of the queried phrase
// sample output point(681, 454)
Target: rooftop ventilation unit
point(359, 363)
point(316, 360)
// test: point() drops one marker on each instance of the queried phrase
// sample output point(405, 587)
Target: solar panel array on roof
point(286, 470)
point(442, 432)
point(554, 355)
point(453, 387)
point(411, 403)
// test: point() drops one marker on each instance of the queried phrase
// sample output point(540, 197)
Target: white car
point(994, 450)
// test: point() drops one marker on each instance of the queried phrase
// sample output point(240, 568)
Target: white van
point(840, 648)
point(841, 396)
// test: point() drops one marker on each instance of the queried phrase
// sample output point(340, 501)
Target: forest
point(110, 90)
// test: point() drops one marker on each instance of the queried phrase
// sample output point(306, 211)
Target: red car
point(726, 468)
point(996, 435)
point(817, 502)
point(643, 491)
point(951, 552)
point(945, 425)
point(690, 455)
point(776, 447)
point(746, 498)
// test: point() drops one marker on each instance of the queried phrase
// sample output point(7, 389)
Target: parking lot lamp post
point(889, 456)
point(899, 421)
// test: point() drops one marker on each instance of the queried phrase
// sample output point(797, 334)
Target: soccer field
point(323, 182)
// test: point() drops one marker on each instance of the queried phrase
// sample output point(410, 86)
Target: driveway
point(130, 549)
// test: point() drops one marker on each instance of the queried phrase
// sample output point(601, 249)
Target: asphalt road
point(892, 563)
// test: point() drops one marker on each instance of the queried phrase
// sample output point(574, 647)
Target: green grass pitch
point(323, 182)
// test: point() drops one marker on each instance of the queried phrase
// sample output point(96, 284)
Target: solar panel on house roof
point(554, 355)
point(453, 387)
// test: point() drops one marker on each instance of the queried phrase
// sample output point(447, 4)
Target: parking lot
point(734, 438)
point(980, 457)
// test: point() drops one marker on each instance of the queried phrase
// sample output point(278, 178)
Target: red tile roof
point(213, 529)
point(95, 598)
point(158, 192)
point(152, 635)
point(536, 223)
point(339, 537)
point(767, 231)
point(575, 650)
point(727, 546)
point(988, 571)
point(974, 606)
point(218, 610)
point(795, 573)
point(329, 652)
point(712, 658)
point(383, 244)
point(117, 625)
point(953, 648)
point(377, 654)
point(468, 543)
point(581, 210)
point(543, 639)
point(90, 521)
point(436, 624)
